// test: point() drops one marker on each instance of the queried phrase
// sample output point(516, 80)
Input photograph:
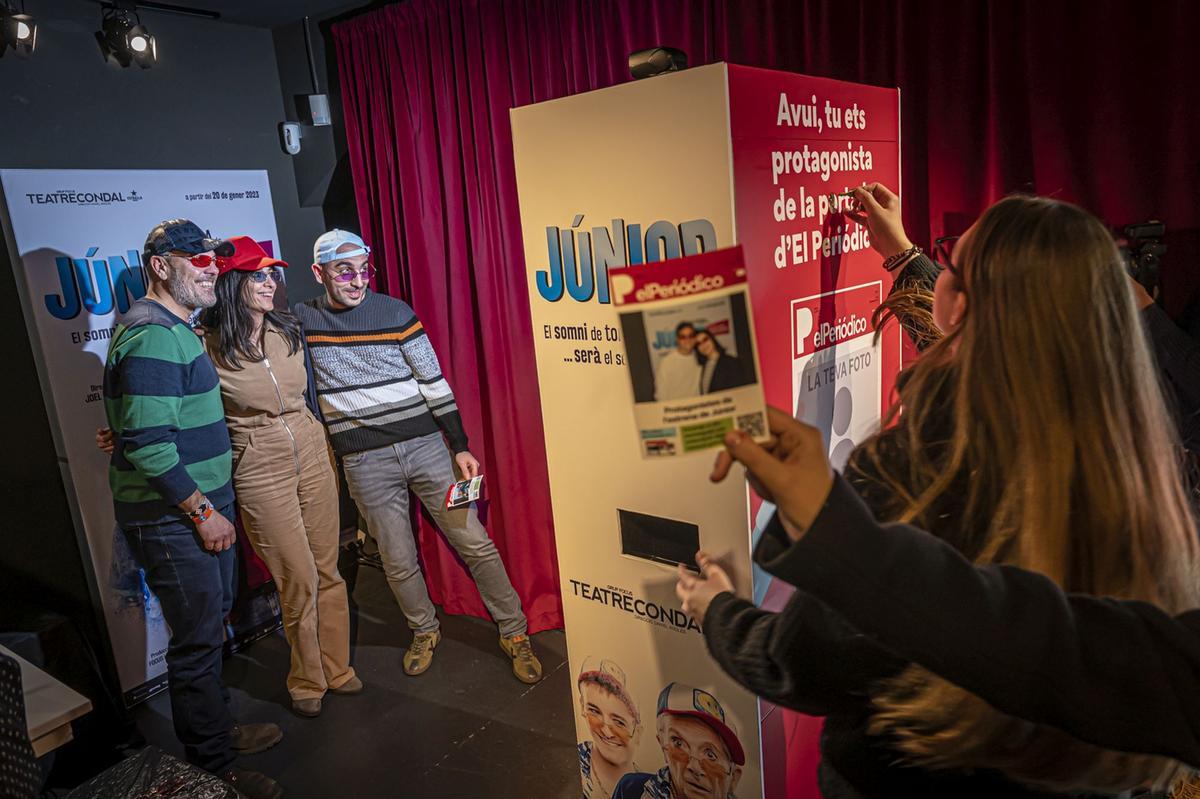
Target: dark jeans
point(195, 588)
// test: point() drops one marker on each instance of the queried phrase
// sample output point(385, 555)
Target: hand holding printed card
point(689, 344)
point(464, 492)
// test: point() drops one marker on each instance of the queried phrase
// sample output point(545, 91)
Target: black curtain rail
point(166, 8)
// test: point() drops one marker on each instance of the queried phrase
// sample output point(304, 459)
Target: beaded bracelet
point(202, 513)
point(899, 259)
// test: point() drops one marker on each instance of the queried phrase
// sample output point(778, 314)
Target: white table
point(50, 706)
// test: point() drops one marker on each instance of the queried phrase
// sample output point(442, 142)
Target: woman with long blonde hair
point(1032, 433)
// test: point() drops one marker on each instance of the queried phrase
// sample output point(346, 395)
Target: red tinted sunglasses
point(198, 261)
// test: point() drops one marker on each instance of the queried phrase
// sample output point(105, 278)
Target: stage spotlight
point(144, 46)
point(655, 61)
point(124, 39)
point(17, 30)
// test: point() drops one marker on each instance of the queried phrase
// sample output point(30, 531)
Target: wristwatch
point(202, 513)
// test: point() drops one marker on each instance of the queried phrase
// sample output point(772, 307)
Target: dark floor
point(465, 728)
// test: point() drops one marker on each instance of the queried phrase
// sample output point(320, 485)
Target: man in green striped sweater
point(170, 476)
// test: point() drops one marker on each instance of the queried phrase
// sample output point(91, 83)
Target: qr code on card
point(753, 424)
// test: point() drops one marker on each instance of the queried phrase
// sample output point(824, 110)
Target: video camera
point(1143, 249)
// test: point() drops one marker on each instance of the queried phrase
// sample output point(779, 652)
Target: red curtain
point(1093, 102)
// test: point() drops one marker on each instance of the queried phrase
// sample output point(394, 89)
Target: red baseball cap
point(248, 256)
point(677, 699)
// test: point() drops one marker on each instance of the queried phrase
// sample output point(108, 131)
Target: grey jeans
point(379, 480)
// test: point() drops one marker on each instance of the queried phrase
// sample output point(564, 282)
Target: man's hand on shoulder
point(467, 465)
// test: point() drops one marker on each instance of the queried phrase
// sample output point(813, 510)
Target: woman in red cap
point(283, 474)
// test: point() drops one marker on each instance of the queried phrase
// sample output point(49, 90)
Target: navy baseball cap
point(183, 235)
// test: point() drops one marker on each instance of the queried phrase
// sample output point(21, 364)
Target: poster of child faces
point(684, 745)
point(836, 366)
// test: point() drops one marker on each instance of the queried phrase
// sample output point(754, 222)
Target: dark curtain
point(1094, 102)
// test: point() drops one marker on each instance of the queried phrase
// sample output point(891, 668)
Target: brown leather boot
point(306, 708)
point(350, 687)
point(252, 784)
point(250, 739)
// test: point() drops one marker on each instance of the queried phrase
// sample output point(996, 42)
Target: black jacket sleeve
point(1118, 673)
point(1178, 356)
point(919, 273)
point(806, 657)
point(1178, 353)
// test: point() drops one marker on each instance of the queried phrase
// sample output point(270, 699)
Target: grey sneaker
point(525, 665)
point(420, 652)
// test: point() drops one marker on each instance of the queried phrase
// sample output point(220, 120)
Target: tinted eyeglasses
point(198, 261)
point(708, 755)
point(348, 275)
point(275, 273)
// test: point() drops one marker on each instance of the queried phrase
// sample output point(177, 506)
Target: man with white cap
point(390, 414)
point(704, 755)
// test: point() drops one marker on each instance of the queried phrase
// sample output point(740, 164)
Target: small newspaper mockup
point(464, 492)
point(690, 348)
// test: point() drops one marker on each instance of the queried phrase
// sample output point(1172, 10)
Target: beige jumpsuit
point(286, 490)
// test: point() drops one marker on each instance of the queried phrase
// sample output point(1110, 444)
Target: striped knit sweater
point(163, 403)
point(377, 377)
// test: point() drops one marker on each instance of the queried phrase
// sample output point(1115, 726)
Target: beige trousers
point(286, 491)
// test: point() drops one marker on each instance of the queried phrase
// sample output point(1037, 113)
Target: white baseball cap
point(326, 248)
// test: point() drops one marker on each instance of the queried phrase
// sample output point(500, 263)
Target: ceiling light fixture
point(124, 39)
point(17, 29)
